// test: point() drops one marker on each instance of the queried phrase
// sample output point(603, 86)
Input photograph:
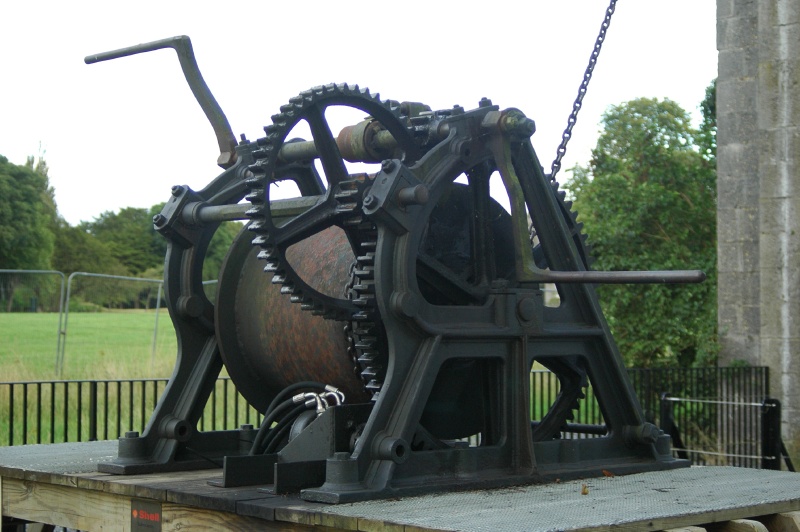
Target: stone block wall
point(758, 116)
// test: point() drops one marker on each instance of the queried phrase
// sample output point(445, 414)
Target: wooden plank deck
point(58, 484)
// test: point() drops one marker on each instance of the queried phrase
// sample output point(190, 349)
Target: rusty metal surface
point(276, 343)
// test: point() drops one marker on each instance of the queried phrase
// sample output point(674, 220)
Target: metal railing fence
point(88, 410)
point(61, 411)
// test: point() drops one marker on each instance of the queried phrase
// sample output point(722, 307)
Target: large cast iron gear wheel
point(340, 205)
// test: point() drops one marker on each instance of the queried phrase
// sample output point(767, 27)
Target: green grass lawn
point(99, 345)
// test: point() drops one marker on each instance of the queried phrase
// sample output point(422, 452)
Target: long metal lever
point(621, 277)
point(183, 47)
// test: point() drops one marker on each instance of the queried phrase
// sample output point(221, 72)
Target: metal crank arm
point(183, 47)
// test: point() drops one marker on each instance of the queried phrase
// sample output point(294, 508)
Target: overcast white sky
point(121, 133)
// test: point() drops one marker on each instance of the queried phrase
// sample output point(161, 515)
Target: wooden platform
point(58, 484)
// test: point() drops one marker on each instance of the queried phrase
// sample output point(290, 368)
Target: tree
point(707, 137)
point(648, 202)
point(218, 248)
point(27, 214)
point(130, 238)
point(77, 250)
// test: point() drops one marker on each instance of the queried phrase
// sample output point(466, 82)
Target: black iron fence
point(712, 427)
point(64, 411)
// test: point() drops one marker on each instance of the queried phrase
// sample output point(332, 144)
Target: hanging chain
point(587, 76)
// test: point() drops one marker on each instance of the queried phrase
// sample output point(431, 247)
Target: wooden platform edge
point(82, 509)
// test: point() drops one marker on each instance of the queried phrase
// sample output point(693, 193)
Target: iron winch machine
point(386, 322)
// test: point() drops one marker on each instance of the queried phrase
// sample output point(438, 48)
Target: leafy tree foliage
point(77, 250)
point(27, 213)
point(218, 248)
point(707, 138)
point(130, 238)
point(648, 202)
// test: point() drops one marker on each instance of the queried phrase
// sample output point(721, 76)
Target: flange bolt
point(370, 201)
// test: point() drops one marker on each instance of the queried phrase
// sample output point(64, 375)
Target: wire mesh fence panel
point(720, 422)
point(737, 439)
point(116, 327)
point(30, 319)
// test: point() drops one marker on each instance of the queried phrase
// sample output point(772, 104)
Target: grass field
point(98, 345)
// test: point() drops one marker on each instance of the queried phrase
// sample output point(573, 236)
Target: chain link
point(587, 76)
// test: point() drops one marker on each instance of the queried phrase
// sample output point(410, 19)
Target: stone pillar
point(758, 114)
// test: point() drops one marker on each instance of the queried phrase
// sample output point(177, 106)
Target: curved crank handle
point(183, 47)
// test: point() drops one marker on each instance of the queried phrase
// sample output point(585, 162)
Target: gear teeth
point(346, 208)
point(345, 194)
point(288, 289)
point(352, 222)
point(375, 387)
point(272, 267)
point(256, 211)
point(256, 195)
point(255, 181)
point(256, 225)
point(365, 273)
point(365, 343)
point(368, 258)
point(368, 357)
point(364, 285)
point(268, 252)
point(369, 373)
